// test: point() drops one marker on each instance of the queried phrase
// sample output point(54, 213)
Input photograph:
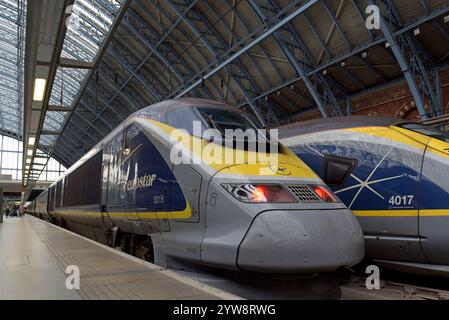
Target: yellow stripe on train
point(296, 167)
point(402, 213)
point(184, 214)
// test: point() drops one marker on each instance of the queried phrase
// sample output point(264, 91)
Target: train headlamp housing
point(259, 193)
point(324, 194)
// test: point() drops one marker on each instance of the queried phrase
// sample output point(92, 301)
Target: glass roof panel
point(88, 26)
point(12, 14)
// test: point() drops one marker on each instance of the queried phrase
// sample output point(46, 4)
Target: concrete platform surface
point(34, 256)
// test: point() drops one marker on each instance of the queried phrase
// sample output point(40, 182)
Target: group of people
point(12, 211)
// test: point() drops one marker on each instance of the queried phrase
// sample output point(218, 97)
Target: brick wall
point(395, 101)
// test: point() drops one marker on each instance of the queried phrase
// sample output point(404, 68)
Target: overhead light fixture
point(416, 31)
point(364, 54)
point(28, 160)
point(387, 45)
point(39, 89)
point(343, 63)
point(27, 167)
point(446, 19)
point(30, 152)
point(324, 71)
point(31, 141)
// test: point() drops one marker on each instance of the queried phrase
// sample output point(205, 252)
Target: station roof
point(119, 56)
point(11, 68)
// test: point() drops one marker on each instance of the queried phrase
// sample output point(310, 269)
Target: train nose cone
point(300, 241)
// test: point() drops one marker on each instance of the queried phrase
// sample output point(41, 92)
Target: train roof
point(169, 105)
point(335, 123)
point(154, 111)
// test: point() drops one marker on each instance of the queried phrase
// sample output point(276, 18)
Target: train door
point(117, 201)
point(434, 206)
point(149, 180)
point(128, 174)
point(51, 201)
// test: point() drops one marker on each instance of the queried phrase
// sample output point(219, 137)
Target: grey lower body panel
point(415, 268)
point(301, 241)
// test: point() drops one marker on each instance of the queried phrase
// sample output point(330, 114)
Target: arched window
point(11, 154)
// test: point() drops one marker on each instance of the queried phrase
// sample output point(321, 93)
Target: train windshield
point(426, 130)
point(226, 122)
point(222, 119)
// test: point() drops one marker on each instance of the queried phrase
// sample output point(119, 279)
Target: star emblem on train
point(366, 184)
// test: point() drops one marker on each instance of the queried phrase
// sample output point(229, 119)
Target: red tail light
point(324, 194)
point(259, 194)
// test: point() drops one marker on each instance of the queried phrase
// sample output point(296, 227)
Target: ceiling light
point(31, 141)
point(387, 45)
point(416, 31)
point(30, 152)
point(28, 160)
point(324, 71)
point(39, 89)
point(343, 63)
point(364, 54)
point(446, 19)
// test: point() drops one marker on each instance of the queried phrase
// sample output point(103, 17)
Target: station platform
point(34, 256)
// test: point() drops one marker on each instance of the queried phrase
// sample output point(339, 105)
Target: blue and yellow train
point(393, 175)
point(260, 216)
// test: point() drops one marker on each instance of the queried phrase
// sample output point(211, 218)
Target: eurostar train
point(268, 217)
point(393, 175)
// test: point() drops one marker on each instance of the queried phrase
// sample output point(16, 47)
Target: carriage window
point(426, 130)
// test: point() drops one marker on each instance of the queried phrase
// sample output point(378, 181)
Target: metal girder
point(422, 63)
point(405, 68)
point(172, 50)
point(118, 91)
point(72, 63)
point(337, 59)
point(124, 6)
point(247, 47)
point(244, 24)
point(331, 13)
point(211, 48)
point(142, 82)
point(148, 43)
point(293, 60)
point(328, 94)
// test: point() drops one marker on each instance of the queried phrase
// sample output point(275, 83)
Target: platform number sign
point(72, 281)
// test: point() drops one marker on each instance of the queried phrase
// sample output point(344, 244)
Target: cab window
point(222, 119)
point(426, 130)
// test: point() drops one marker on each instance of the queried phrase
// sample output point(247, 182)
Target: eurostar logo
point(276, 168)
